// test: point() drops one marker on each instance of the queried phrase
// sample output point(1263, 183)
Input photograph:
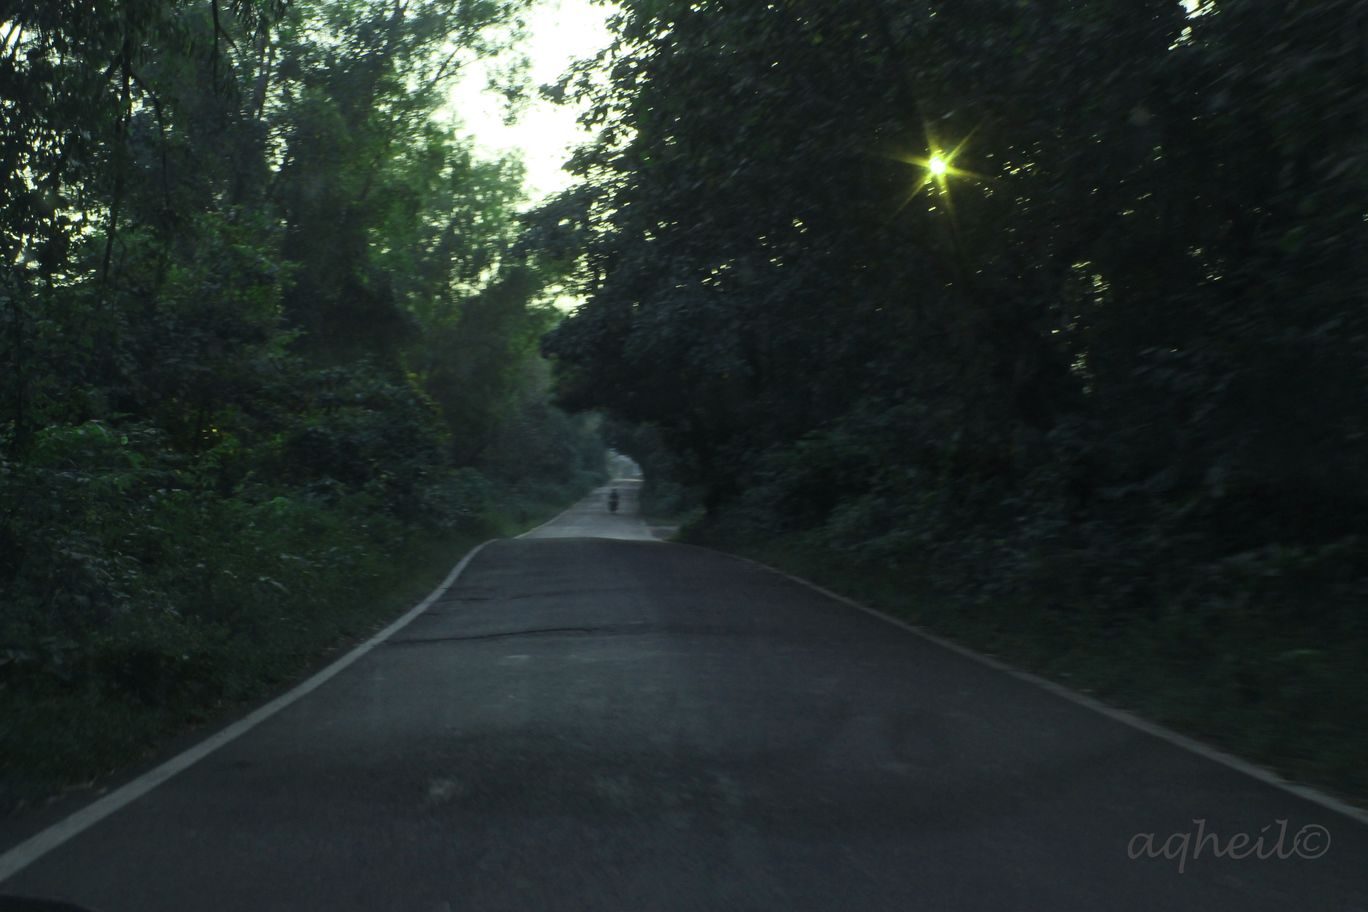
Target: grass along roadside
point(156, 681)
point(1301, 718)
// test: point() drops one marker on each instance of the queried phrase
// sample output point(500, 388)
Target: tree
point(1093, 316)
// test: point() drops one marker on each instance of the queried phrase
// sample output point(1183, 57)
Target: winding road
point(589, 719)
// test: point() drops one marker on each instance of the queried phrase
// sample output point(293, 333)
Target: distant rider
point(613, 501)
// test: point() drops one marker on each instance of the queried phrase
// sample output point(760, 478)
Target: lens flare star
point(938, 167)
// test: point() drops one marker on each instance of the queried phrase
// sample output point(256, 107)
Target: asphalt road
point(615, 723)
point(591, 518)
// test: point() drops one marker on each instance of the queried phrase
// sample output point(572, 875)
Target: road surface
point(614, 723)
point(590, 518)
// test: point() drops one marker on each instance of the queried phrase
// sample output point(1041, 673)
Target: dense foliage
point(1107, 374)
point(263, 334)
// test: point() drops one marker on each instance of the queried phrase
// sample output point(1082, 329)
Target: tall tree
point(901, 270)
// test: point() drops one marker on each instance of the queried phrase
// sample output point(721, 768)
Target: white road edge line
point(1268, 777)
point(38, 845)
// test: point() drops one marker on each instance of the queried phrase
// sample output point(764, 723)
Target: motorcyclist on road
point(613, 501)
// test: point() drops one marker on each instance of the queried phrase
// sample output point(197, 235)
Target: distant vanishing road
point(592, 720)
